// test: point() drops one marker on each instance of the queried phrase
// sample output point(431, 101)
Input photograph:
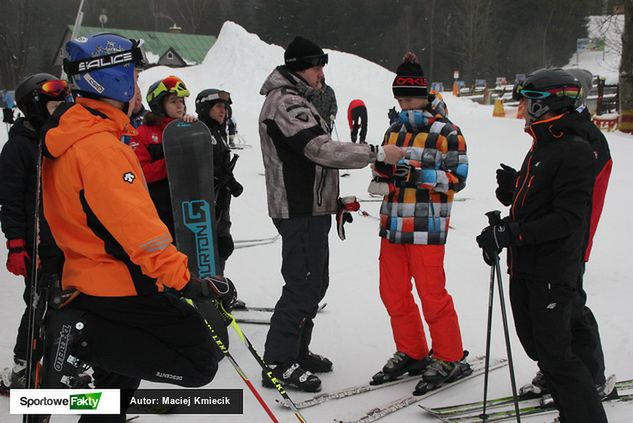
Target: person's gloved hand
point(506, 180)
point(495, 238)
point(18, 259)
point(235, 188)
point(346, 205)
point(211, 288)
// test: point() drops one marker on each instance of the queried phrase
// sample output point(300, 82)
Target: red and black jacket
point(552, 195)
point(602, 171)
point(148, 147)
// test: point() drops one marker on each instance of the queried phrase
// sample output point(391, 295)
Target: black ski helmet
point(585, 78)
point(549, 90)
point(207, 98)
point(32, 101)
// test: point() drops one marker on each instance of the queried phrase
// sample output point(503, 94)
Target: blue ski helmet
point(102, 65)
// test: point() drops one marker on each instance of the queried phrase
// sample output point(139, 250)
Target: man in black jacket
point(211, 107)
point(545, 236)
point(36, 96)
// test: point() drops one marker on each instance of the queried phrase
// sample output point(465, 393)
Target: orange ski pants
point(399, 263)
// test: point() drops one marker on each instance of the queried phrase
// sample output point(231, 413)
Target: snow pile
point(605, 63)
point(354, 329)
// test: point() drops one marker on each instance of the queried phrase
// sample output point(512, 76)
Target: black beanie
point(301, 49)
point(410, 80)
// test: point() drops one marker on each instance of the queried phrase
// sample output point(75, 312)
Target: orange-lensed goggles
point(56, 88)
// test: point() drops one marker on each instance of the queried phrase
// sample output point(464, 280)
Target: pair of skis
point(529, 405)
point(477, 366)
point(261, 321)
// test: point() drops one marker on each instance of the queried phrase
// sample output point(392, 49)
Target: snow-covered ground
point(354, 329)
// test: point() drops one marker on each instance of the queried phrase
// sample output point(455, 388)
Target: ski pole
point(494, 218)
point(237, 368)
point(488, 339)
point(262, 363)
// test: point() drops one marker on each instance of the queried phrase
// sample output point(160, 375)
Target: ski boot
point(537, 388)
point(608, 390)
point(439, 372)
point(315, 363)
point(397, 366)
point(291, 375)
point(13, 377)
point(64, 345)
point(239, 305)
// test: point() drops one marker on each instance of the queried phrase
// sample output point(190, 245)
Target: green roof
point(192, 48)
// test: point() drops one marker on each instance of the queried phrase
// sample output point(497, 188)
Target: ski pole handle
point(494, 217)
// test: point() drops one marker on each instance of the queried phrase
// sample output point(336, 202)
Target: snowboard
point(188, 149)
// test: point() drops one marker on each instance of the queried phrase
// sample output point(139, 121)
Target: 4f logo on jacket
point(129, 177)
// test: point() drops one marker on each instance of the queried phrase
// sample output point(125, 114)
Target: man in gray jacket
point(301, 162)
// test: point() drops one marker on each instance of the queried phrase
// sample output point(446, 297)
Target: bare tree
point(14, 41)
point(193, 12)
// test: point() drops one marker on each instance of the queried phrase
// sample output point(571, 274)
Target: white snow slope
point(354, 329)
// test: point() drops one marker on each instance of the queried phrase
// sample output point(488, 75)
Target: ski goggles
point(135, 55)
point(572, 92)
point(314, 60)
point(219, 96)
point(56, 88)
point(171, 84)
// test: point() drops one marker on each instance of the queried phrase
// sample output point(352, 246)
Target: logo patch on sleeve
point(129, 177)
point(303, 116)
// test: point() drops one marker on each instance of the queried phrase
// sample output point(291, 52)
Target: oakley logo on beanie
point(410, 80)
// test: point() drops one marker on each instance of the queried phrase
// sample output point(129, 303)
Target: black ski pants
point(155, 337)
point(542, 314)
point(305, 258)
point(21, 341)
point(359, 120)
point(585, 340)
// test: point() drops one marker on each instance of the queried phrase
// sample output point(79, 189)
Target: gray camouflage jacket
point(300, 158)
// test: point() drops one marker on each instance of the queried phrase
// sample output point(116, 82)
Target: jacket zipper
point(321, 186)
point(526, 179)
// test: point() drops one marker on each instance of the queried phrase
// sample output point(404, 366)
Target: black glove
point(493, 239)
point(235, 188)
point(506, 178)
point(211, 288)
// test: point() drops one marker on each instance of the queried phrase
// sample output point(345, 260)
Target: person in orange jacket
point(118, 253)
point(166, 99)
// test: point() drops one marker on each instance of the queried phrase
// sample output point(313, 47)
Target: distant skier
point(166, 99)
point(546, 235)
point(211, 108)
point(324, 100)
point(302, 185)
point(415, 215)
point(37, 96)
point(357, 119)
point(118, 254)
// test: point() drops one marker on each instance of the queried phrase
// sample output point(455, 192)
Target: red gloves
point(18, 259)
